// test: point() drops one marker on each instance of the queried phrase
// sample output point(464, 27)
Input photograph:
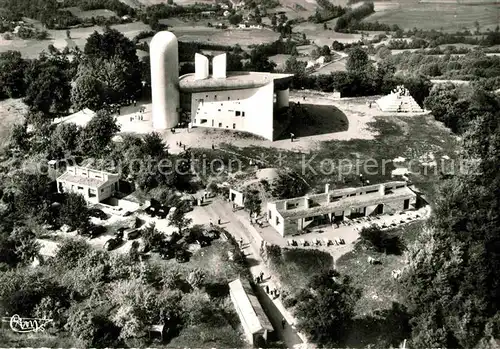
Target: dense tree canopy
point(12, 70)
point(48, 84)
point(453, 280)
point(326, 307)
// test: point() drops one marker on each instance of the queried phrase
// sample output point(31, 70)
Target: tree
point(25, 245)
point(91, 327)
point(48, 84)
point(457, 256)
point(296, 67)
point(179, 220)
point(152, 237)
point(153, 145)
point(64, 140)
point(196, 278)
point(235, 19)
point(88, 92)
point(74, 212)
point(109, 44)
point(128, 318)
point(274, 20)
point(357, 61)
point(96, 137)
point(289, 185)
point(33, 195)
point(51, 308)
point(19, 137)
point(326, 304)
point(71, 251)
point(12, 70)
point(253, 202)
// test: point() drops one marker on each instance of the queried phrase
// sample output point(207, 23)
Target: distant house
point(226, 13)
point(207, 13)
point(94, 185)
point(254, 321)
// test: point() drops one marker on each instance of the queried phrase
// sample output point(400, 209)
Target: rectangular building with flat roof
point(294, 215)
point(94, 185)
point(254, 321)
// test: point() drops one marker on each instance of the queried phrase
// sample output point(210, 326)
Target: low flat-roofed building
point(255, 322)
point(294, 215)
point(94, 185)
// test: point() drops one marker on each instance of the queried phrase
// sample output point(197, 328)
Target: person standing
point(267, 289)
point(292, 137)
point(261, 275)
point(283, 323)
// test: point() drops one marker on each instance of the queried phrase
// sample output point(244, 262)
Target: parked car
point(181, 256)
point(97, 213)
point(131, 234)
point(96, 230)
point(167, 253)
point(112, 243)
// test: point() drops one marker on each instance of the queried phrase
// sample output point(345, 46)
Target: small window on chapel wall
point(243, 113)
point(237, 113)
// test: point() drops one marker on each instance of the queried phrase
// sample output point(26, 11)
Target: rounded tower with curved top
point(164, 80)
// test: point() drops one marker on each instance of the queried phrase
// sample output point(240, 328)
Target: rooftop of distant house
point(232, 81)
point(87, 177)
point(341, 199)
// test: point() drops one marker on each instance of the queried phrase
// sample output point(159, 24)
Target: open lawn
point(77, 12)
point(320, 36)
point(450, 17)
point(332, 67)
point(295, 267)
point(378, 286)
point(380, 315)
point(281, 59)
point(230, 37)
point(12, 111)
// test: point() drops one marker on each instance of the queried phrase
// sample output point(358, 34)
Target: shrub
point(379, 240)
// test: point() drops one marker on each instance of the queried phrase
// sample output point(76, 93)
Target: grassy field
point(332, 67)
point(229, 37)
point(380, 316)
point(410, 137)
point(450, 17)
point(320, 36)
point(296, 266)
point(77, 12)
point(32, 48)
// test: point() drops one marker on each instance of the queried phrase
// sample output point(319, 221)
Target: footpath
point(238, 226)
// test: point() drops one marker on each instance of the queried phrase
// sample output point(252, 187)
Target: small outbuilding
point(236, 197)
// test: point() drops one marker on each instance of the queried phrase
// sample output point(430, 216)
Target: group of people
point(218, 222)
point(401, 91)
point(180, 144)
